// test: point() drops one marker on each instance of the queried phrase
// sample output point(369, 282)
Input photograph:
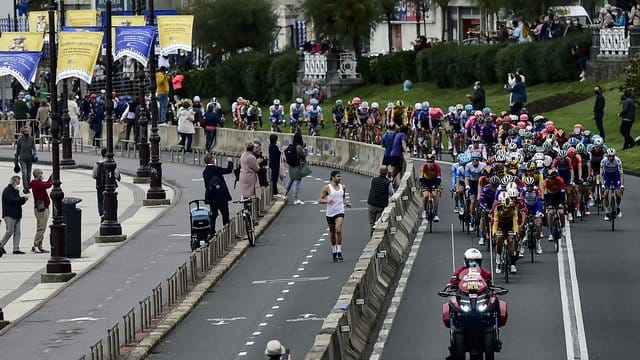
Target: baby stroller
point(200, 217)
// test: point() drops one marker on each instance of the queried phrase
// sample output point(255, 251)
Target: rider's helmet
point(581, 148)
point(513, 146)
point(538, 156)
point(573, 141)
point(468, 107)
point(475, 156)
point(566, 146)
point(572, 151)
point(577, 128)
point(299, 101)
point(464, 159)
point(524, 117)
point(504, 182)
point(418, 106)
point(548, 161)
point(507, 202)
point(494, 181)
point(255, 103)
point(529, 181)
point(472, 258)
point(477, 113)
point(499, 158)
point(475, 138)
point(239, 99)
point(459, 107)
point(531, 166)
point(512, 192)
point(550, 128)
point(563, 154)
point(532, 148)
point(547, 145)
point(399, 103)
point(538, 119)
point(374, 105)
point(597, 141)
point(430, 158)
point(460, 157)
point(486, 111)
point(587, 133)
point(356, 101)
point(426, 105)
point(338, 102)
point(540, 164)
point(611, 152)
point(276, 102)
point(365, 105)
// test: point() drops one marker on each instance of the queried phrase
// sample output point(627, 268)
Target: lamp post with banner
point(67, 157)
point(58, 266)
point(110, 228)
point(143, 172)
point(156, 195)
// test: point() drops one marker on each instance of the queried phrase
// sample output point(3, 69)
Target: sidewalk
point(21, 290)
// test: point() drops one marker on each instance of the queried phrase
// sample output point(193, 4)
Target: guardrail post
point(157, 300)
point(129, 323)
point(113, 342)
point(97, 351)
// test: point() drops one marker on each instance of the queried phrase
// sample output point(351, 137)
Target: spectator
point(274, 162)
point(503, 33)
point(21, 109)
point(211, 124)
point(163, 60)
point(379, 192)
point(518, 93)
point(41, 202)
point(162, 92)
point(297, 169)
point(25, 153)
point(185, 124)
point(249, 168)
point(97, 120)
point(184, 61)
point(581, 52)
point(316, 47)
point(130, 118)
point(398, 149)
point(177, 82)
point(628, 116)
point(74, 116)
point(605, 17)
point(12, 214)
point(275, 351)
point(216, 190)
point(478, 98)
point(598, 110)
point(43, 118)
point(99, 173)
point(619, 16)
point(313, 91)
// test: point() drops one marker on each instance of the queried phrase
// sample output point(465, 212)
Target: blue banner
point(134, 41)
point(22, 65)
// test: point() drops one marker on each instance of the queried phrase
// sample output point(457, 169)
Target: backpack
point(291, 155)
point(101, 174)
point(236, 173)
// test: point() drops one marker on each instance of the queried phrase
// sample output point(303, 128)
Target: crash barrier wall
point(123, 335)
point(346, 330)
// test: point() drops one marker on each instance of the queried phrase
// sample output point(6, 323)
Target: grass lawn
point(498, 100)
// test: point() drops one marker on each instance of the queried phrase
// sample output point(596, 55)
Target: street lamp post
point(156, 194)
point(110, 229)
point(67, 158)
point(15, 15)
point(143, 172)
point(58, 266)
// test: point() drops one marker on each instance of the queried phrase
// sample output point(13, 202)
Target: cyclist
point(472, 173)
point(421, 125)
point(485, 202)
point(565, 169)
point(296, 111)
point(576, 165)
point(435, 122)
point(554, 198)
point(276, 115)
point(254, 115)
point(596, 152)
point(612, 178)
point(430, 179)
point(352, 118)
point(235, 112)
point(399, 114)
point(377, 120)
point(338, 118)
point(531, 170)
point(314, 116)
point(457, 182)
point(477, 147)
point(532, 197)
point(365, 121)
point(505, 222)
point(388, 114)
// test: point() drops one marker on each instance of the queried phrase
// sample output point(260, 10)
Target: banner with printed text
point(77, 54)
point(82, 18)
point(134, 41)
point(124, 20)
point(21, 41)
point(22, 65)
point(39, 21)
point(175, 33)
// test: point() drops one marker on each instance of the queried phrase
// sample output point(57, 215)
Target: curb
point(177, 314)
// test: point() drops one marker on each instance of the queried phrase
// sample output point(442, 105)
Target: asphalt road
point(536, 326)
point(66, 326)
point(281, 289)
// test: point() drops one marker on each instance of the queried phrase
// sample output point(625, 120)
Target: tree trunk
point(357, 47)
point(389, 33)
point(445, 22)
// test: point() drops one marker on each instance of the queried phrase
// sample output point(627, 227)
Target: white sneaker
point(587, 212)
point(513, 269)
point(472, 228)
point(520, 253)
point(591, 202)
point(299, 202)
point(481, 241)
point(582, 74)
point(619, 213)
point(564, 231)
point(415, 152)
point(498, 270)
point(578, 214)
point(455, 209)
point(606, 217)
point(550, 238)
point(498, 260)
point(442, 147)
point(538, 247)
point(570, 217)
point(436, 218)
point(424, 214)
point(461, 211)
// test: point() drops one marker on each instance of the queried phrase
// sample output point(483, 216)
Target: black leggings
point(223, 207)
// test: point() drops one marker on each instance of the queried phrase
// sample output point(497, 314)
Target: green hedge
point(282, 74)
point(393, 68)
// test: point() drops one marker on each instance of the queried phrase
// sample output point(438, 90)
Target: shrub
point(394, 68)
point(282, 75)
point(201, 82)
point(632, 79)
point(364, 69)
point(245, 75)
point(422, 65)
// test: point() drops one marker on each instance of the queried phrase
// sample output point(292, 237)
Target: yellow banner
point(77, 54)
point(39, 21)
point(82, 18)
point(175, 32)
point(21, 41)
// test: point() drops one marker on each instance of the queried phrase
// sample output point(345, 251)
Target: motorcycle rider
point(472, 258)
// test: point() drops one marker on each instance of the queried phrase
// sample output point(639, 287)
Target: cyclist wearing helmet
point(364, 117)
point(477, 147)
point(399, 114)
point(296, 114)
point(472, 173)
point(532, 197)
point(338, 114)
point(554, 198)
point(376, 118)
point(235, 112)
point(457, 182)
point(314, 117)
point(352, 118)
point(505, 222)
point(585, 188)
point(276, 115)
point(430, 179)
point(597, 152)
point(435, 121)
point(613, 178)
point(485, 202)
point(254, 115)
point(576, 165)
point(564, 167)
point(472, 258)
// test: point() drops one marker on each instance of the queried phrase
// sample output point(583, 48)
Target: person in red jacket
point(41, 203)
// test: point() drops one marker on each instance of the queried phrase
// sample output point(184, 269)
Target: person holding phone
point(41, 202)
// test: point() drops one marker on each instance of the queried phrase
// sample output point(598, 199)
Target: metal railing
point(614, 41)
point(317, 65)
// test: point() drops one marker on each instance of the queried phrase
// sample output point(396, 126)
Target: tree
point(521, 9)
point(348, 21)
point(444, 9)
point(232, 24)
point(388, 9)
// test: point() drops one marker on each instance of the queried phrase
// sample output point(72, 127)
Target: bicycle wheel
point(613, 210)
point(557, 234)
point(505, 260)
point(531, 242)
point(251, 235)
point(430, 215)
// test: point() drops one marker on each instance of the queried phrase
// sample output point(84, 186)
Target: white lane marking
point(313, 250)
point(378, 347)
point(268, 315)
point(305, 262)
point(248, 343)
point(256, 333)
point(300, 269)
point(262, 324)
point(325, 234)
point(179, 235)
point(318, 179)
point(575, 337)
point(296, 276)
point(199, 179)
point(280, 299)
point(348, 209)
point(273, 281)
point(285, 291)
point(243, 353)
point(275, 307)
point(79, 319)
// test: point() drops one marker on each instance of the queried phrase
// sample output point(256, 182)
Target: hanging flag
point(82, 18)
point(22, 65)
point(82, 28)
point(134, 41)
point(175, 33)
point(124, 20)
point(77, 54)
point(21, 41)
point(39, 21)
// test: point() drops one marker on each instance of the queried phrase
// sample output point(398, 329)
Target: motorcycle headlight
point(482, 307)
point(465, 307)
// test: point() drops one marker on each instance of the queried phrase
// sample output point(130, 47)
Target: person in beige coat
point(186, 128)
point(249, 168)
point(44, 121)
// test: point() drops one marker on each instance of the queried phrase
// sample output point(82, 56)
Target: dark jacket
point(598, 107)
point(478, 100)
point(208, 174)
point(379, 192)
point(25, 148)
point(628, 109)
point(518, 93)
point(12, 202)
point(211, 120)
point(274, 158)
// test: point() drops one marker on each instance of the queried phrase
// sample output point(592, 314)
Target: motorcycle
point(474, 316)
